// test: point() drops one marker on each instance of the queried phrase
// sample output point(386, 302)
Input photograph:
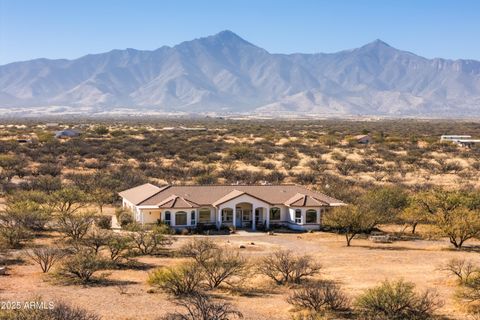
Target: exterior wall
point(174, 222)
point(303, 226)
point(232, 204)
point(287, 215)
point(150, 215)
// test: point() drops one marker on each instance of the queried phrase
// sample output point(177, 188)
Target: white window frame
point(298, 219)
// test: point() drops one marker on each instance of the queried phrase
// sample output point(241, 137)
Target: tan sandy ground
point(361, 266)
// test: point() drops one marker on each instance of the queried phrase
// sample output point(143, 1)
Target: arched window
point(298, 216)
point(274, 213)
point(204, 215)
point(227, 215)
point(168, 218)
point(181, 218)
point(311, 216)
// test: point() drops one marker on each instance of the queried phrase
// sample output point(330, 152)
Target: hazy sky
point(72, 28)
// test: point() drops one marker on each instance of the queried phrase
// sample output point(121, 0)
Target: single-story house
point(67, 133)
point(239, 206)
point(362, 139)
point(461, 140)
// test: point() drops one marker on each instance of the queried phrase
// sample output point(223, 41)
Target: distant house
point(461, 140)
point(362, 139)
point(67, 133)
point(239, 206)
point(24, 140)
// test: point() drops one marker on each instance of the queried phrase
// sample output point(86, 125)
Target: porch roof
point(176, 202)
point(303, 200)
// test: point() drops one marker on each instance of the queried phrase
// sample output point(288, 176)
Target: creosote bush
point(81, 266)
point(283, 266)
point(199, 306)
point(178, 281)
point(46, 257)
point(397, 300)
point(319, 297)
point(218, 265)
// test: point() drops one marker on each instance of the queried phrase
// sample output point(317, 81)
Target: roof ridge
point(153, 195)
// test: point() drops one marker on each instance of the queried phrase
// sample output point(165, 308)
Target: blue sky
point(72, 28)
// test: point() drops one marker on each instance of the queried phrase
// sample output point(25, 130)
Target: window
point(227, 215)
point(274, 213)
point(311, 216)
point(181, 218)
point(204, 215)
point(193, 218)
point(168, 218)
point(247, 215)
point(298, 216)
point(258, 211)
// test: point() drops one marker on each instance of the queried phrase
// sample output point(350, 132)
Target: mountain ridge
point(224, 74)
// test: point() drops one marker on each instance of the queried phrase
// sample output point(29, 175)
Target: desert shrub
point(199, 306)
point(75, 226)
point(397, 300)
point(177, 281)
point(96, 239)
point(283, 266)
point(59, 311)
point(104, 222)
point(463, 269)
point(81, 266)
point(306, 178)
point(118, 246)
point(124, 217)
point(46, 257)
point(13, 236)
point(26, 210)
point(319, 297)
point(147, 241)
point(219, 265)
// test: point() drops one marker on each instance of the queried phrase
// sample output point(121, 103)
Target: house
point(238, 206)
point(461, 140)
point(362, 139)
point(67, 133)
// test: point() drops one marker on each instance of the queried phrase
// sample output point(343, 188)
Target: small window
point(193, 218)
point(181, 218)
point(275, 213)
point(204, 215)
point(227, 215)
point(247, 215)
point(168, 218)
point(311, 216)
point(298, 216)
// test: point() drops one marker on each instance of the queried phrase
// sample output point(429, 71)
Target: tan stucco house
point(240, 206)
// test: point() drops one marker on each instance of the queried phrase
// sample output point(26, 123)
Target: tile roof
point(176, 202)
point(149, 195)
point(302, 200)
point(140, 193)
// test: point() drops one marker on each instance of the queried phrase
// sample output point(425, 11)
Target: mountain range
point(225, 74)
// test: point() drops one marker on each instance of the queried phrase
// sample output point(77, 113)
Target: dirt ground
point(361, 266)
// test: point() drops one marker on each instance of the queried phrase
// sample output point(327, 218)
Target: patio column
point(253, 219)
point(234, 222)
point(218, 215)
point(267, 224)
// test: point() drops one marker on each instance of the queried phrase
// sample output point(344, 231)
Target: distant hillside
point(223, 74)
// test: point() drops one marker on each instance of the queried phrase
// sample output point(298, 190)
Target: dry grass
point(356, 268)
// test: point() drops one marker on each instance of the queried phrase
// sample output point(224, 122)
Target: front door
point(238, 218)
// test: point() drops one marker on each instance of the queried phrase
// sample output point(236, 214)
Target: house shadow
point(389, 248)
point(134, 265)
point(470, 248)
